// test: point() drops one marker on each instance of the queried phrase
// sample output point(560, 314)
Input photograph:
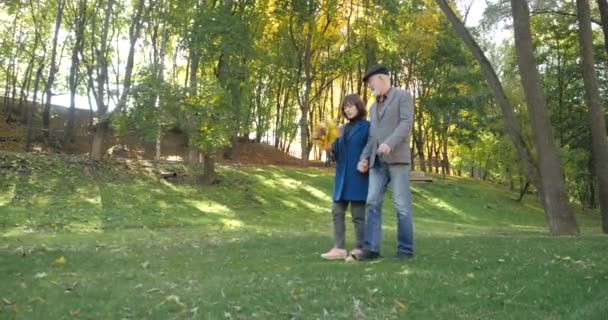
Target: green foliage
point(208, 117)
point(152, 101)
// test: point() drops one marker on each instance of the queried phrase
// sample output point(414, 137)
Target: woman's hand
point(363, 166)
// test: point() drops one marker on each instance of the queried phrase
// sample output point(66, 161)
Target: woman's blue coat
point(349, 183)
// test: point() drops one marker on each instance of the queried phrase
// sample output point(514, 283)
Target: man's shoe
point(404, 256)
point(367, 255)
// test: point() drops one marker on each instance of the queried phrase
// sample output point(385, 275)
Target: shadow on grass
point(91, 197)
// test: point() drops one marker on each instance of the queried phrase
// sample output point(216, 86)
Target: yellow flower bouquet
point(325, 133)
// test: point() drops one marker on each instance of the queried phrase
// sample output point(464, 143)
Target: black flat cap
point(377, 69)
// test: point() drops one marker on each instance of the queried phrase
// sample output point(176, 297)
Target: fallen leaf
point(74, 313)
point(60, 260)
point(401, 305)
point(175, 299)
point(36, 299)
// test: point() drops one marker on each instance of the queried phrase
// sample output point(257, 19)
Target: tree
point(99, 53)
point(510, 123)
point(52, 72)
point(79, 22)
point(596, 114)
point(554, 200)
point(603, 7)
point(554, 194)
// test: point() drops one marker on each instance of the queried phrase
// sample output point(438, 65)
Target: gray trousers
point(357, 209)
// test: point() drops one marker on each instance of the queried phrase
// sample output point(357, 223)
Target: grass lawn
point(80, 240)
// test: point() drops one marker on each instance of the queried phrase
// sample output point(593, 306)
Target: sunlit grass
point(7, 195)
point(139, 247)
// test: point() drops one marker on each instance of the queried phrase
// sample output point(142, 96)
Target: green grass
point(138, 247)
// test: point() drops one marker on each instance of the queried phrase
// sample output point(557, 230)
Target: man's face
point(375, 84)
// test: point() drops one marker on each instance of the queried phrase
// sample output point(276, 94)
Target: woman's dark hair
point(353, 99)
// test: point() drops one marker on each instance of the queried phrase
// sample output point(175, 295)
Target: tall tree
point(548, 174)
point(603, 7)
point(554, 194)
point(510, 123)
point(80, 20)
point(596, 114)
point(99, 89)
point(50, 80)
point(134, 34)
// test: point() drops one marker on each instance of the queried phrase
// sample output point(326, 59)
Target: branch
point(561, 13)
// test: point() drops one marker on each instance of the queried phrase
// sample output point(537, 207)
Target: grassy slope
point(139, 247)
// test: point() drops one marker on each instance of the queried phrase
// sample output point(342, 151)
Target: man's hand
point(384, 149)
point(363, 166)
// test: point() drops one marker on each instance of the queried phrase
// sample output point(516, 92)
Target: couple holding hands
point(369, 155)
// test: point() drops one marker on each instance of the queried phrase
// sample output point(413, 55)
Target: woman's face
point(351, 112)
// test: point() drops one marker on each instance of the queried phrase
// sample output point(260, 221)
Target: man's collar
point(383, 97)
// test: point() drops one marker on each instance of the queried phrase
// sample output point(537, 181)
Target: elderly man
point(387, 158)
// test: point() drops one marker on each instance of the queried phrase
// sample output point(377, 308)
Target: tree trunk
point(554, 196)
point(8, 108)
point(429, 151)
point(603, 6)
point(102, 69)
point(73, 77)
point(485, 169)
point(472, 171)
point(509, 177)
point(436, 151)
point(523, 191)
point(305, 99)
point(48, 90)
point(12, 83)
point(417, 136)
point(193, 91)
point(32, 109)
point(209, 176)
point(285, 118)
point(446, 159)
point(279, 115)
point(192, 155)
point(305, 108)
point(134, 31)
point(419, 140)
point(159, 64)
point(25, 88)
point(511, 126)
point(592, 202)
point(596, 113)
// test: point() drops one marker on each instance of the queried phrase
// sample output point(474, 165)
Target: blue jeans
point(379, 177)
